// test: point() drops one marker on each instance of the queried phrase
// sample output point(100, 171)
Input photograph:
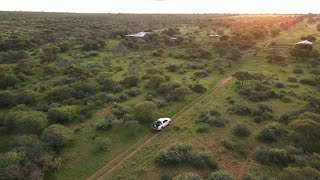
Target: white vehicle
point(161, 123)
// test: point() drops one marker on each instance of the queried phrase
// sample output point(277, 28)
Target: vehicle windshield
point(157, 123)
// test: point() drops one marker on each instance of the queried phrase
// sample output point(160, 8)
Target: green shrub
point(292, 79)
point(291, 173)
point(306, 134)
point(309, 81)
point(176, 154)
point(63, 114)
point(220, 122)
point(57, 135)
point(268, 156)
point(270, 133)
point(241, 130)
point(203, 161)
point(8, 80)
point(221, 175)
point(105, 123)
point(187, 176)
point(7, 159)
point(267, 135)
point(241, 109)
point(132, 92)
point(199, 88)
point(144, 111)
point(26, 121)
point(182, 154)
point(101, 143)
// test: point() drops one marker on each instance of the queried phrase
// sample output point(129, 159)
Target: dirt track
point(120, 157)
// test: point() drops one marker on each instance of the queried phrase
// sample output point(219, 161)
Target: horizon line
point(233, 13)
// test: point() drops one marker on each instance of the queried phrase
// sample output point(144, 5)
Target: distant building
point(138, 35)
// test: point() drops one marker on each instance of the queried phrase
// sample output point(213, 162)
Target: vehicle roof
point(162, 119)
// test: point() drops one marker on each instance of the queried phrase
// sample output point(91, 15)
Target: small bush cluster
point(262, 112)
point(212, 117)
point(198, 88)
point(183, 154)
point(293, 173)
point(268, 156)
point(105, 123)
point(241, 130)
point(292, 79)
point(258, 95)
point(101, 143)
point(270, 133)
point(241, 109)
point(310, 81)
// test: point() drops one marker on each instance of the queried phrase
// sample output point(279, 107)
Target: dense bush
point(241, 130)
point(292, 173)
point(49, 53)
point(258, 95)
point(241, 109)
point(13, 56)
point(176, 154)
point(306, 134)
point(57, 135)
point(144, 111)
point(182, 154)
point(221, 175)
point(133, 91)
point(268, 156)
point(8, 80)
point(199, 88)
point(203, 161)
point(309, 81)
point(173, 91)
point(270, 133)
point(130, 81)
point(101, 143)
point(63, 114)
point(292, 79)
point(26, 121)
point(213, 118)
point(7, 159)
point(105, 123)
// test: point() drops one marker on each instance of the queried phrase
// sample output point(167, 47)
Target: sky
point(164, 6)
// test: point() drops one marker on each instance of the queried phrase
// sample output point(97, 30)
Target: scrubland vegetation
point(78, 97)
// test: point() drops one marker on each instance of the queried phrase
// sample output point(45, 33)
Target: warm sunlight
point(165, 6)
